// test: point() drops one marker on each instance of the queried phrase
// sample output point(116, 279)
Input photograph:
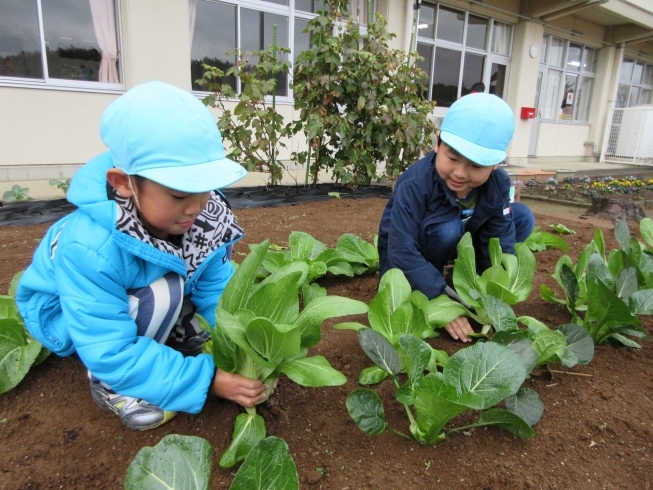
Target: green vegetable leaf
point(464, 271)
point(278, 301)
point(177, 461)
point(312, 371)
point(484, 374)
point(249, 430)
point(527, 405)
point(433, 408)
point(379, 350)
point(646, 230)
point(522, 346)
point(394, 289)
point(418, 355)
point(500, 314)
point(304, 247)
point(268, 466)
point(580, 346)
point(319, 309)
point(312, 291)
point(236, 293)
point(18, 352)
point(372, 375)
point(13, 285)
point(538, 241)
point(353, 248)
point(622, 234)
point(442, 309)
point(9, 310)
point(272, 341)
point(562, 229)
point(641, 302)
point(506, 420)
point(366, 409)
point(549, 345)
point(626, 282)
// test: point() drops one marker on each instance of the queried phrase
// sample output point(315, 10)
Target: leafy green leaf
point(312, 371)
point(527, 405)
point(646, 230)
point(278, 301)
point(270, 341)
point(379, 350)
point(372, 375)
point(579, 343)
point(641, 302)
point(506, 420)
point(442, 309)
point(9, 310)
point(394, 290)
point(318, 310)
point(366, 409)
point(18, 352)
point(522, 346)
point(236, 293)
point(433, 408)
point(484, 374)
point(13, 285)
point(177, 461)
point(268, 466)
point(249, 430)
point(418, 355)
point(626, 282)
point(354, 249)
point(500, 314)
point(549, 345)
point(622, 234)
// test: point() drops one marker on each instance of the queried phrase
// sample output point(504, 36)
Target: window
point(218, 27)
point(59, 42)
point(566, 80)
point(635, 83)
point(461, 49)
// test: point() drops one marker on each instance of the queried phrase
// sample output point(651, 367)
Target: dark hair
point(478, 87)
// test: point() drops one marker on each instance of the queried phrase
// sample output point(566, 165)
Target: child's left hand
point(459, 328)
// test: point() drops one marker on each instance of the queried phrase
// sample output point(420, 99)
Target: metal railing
point(630, 136)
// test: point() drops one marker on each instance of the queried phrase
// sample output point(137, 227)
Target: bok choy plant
point(509, 279)
point(394, 311)
point(539, 241)
point(180, 461)
point(261, 334)
point(611, 292)
point(19, 351)
point(475, 378)
point(352, 256)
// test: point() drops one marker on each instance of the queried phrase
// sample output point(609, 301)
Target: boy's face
point(167, 212)
point(460, 174)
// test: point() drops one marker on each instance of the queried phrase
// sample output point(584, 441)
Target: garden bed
point(596, 431)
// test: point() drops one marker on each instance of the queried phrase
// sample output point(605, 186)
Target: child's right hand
point(459, 328)
point(237, 388)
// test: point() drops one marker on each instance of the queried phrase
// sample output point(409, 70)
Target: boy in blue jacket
point(456, 188)
point(119, 280)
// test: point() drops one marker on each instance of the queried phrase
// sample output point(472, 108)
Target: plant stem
point(400, 433)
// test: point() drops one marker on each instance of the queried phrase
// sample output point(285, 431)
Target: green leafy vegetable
point(261, 334)
point(539, 241)
point(476, 377)
point(177, 461)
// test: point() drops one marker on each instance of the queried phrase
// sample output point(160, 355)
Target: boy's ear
point(495, 167)
point(119, 180)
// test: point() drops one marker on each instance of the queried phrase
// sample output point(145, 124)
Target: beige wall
point(57, 129)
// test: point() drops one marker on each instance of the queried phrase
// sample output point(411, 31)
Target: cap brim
point(476, 153)
point(202, 177)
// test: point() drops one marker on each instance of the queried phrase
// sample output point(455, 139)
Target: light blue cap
point(479, 127)
point(165, 134)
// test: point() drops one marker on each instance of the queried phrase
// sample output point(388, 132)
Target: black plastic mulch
point(36, 212)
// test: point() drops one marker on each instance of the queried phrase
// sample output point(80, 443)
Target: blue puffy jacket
point(73, 296)
point(421, 199)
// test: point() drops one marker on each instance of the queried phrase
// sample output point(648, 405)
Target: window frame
point(292, 14)
point(66, 84)
point(581, 75)
point(489, 57)
point(642, 86)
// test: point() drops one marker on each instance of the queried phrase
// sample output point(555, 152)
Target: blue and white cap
point(479, 127)
point(165, 134)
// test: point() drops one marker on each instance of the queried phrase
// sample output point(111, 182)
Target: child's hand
point(459, 329)
point(237, 388)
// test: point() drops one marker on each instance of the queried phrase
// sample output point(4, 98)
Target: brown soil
point(596, 431)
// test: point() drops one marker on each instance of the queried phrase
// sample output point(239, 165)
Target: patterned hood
point(213, 228)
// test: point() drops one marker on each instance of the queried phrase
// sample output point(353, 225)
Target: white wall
point(561, 140)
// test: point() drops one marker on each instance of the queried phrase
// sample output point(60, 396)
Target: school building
point(577, 73)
